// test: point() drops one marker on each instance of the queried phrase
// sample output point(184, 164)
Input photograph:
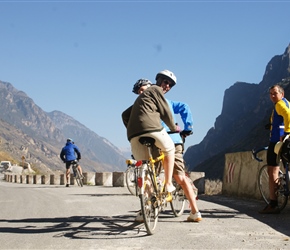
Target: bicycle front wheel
point(178, 201)
point(263, 183)
point(78, 178)
point(131, 179)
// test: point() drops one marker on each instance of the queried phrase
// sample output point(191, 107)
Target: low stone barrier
point(109, 179)
point(104, 179)
point(198, 180)
point(240, 174)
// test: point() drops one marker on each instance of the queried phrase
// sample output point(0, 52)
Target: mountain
point(246, 110)
point(26, 130)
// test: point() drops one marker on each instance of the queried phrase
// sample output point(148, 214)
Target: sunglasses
point(168, 82)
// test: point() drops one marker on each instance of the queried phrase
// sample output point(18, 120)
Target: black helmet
point(139, 84)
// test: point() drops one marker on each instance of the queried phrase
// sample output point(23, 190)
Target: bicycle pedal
point(168, 197)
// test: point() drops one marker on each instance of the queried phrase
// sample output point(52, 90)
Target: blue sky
point(83, 57)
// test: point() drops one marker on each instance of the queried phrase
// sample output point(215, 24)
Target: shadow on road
point(279, 222)
point(77, 227)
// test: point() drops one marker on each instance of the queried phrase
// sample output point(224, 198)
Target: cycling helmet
point(167, 75)
point(139, 84)
point(69, 140)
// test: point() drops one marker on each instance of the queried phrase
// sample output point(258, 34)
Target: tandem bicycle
point(150, 187)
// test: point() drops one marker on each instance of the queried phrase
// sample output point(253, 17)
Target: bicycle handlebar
point(256, 151)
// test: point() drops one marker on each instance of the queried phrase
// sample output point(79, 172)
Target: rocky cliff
point(240, 126)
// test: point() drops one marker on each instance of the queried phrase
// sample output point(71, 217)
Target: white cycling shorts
point(162, 140)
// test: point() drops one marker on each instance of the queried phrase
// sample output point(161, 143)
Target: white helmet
point(167, 75)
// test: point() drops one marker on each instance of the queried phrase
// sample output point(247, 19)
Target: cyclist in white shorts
point(143, 119)
point(165, 79)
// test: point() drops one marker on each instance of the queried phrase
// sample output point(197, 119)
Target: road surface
point(95, 217)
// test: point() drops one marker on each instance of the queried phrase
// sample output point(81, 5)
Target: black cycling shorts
point(271, 155)
point(68, 164)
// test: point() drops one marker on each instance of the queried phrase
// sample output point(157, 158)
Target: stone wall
point(110, 179)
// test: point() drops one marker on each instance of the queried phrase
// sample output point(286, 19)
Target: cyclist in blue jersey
point(280, 126)
point(69, 153)
point(166, 80)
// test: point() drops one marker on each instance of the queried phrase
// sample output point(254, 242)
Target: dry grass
point(4, 156)
point(213, 187)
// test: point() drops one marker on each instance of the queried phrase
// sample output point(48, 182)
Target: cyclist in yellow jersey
point(280, 126)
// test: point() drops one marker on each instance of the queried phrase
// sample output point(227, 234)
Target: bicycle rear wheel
point(131, 179)
point(263, 183)
point(178, 201)
point(149, 207)
point(78, 178)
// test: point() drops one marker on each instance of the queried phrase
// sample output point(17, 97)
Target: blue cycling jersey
point(184, 111)
point(70, 152)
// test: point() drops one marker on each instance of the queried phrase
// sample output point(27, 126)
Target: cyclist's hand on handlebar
point(177, 128)
point(185, 133)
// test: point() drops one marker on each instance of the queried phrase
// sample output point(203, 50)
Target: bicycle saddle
point(147, 141)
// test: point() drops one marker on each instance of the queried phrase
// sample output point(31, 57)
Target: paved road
point(94, 217)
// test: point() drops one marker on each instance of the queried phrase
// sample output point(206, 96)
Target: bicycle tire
point(78, 178)
point(178, 201)
point(263, 183)
point(149, 208)
point(131, 179)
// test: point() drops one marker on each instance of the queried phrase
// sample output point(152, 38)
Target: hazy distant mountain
point(41, 135)
point(240, 126)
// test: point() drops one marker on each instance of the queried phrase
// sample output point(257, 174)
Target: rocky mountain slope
point(240, 126)
point(26, 130)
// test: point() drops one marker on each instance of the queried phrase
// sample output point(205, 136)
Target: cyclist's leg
point(139, 151)
point(183, 181)
point(166, 145)
point(273, 172)
point(67, 172)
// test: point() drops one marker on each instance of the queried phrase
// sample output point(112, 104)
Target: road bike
point(77, 175)
point(282, 191)
point(150, 187)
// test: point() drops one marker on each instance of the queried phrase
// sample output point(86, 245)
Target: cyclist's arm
point(185, 113)
point(78, 152)
point(62, 154)
point(126, 116)
point(284, 111)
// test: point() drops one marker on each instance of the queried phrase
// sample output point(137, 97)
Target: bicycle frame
point(77, 173)
point(145, 168)
point(286, 176)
